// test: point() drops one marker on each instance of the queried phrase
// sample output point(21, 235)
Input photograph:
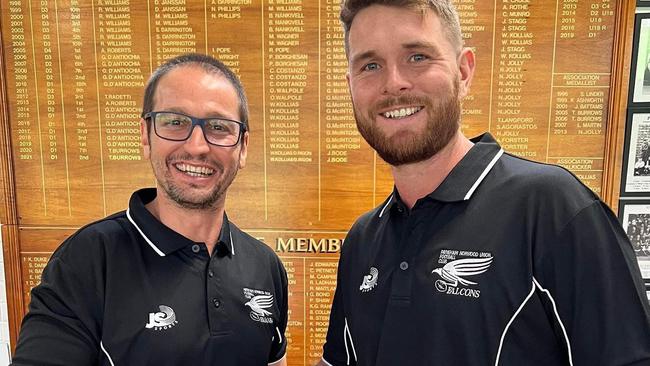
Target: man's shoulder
point(542, 185)
point(251, 245)
point(549, 178)
point(93, 238)
point(258, 256)
point(373, 216)
point(368, 223)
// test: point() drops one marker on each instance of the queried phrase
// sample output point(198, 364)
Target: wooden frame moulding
point(617, 116)
point(611, 180)
point(8, 213)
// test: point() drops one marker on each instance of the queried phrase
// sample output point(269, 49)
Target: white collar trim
point(152, 245)
point(483, 175)
point(386, 205)
point(232, 244)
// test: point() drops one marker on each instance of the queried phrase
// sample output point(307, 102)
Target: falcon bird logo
point(258, 304)
point(370, 280)
point(453, 272)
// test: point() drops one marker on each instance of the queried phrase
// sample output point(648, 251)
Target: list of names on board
point(76, 71)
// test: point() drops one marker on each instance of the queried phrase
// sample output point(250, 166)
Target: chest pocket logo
point(164, 319)
point(369, 281)
point(258, 302)
point(452, 279)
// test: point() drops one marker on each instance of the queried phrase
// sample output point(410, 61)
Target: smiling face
point(194, 174)
point(406, 81)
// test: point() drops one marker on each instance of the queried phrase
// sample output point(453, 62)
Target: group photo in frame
point(636, 164)
point(640, 78)
point(635, 218)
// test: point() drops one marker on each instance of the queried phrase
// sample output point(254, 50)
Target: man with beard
point(478, 257)
point(169, 281)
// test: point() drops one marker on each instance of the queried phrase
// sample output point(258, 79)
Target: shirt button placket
point(216, 299)
point(402, 279)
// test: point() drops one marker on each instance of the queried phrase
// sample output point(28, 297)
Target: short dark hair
point(207, 63)
point(444, 9)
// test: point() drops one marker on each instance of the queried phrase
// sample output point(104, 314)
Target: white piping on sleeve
point(325, 362)
point(345, 341)
point(482, 176)
point(279, 335)
point(155, 248)
point(346, 336)
point(101, 345)
point(390, 199)
point(557, 315)
point(505, 330)
point(536, 284)
point(278, 361)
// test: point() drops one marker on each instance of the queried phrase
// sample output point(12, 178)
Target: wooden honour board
point(73, 74)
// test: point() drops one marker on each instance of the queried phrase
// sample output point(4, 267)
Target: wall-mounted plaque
point(76, 70)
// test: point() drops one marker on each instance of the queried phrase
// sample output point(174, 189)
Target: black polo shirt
point(507, 262)
point(127, 290)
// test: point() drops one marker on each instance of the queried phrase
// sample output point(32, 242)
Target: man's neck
point(197, 225)
point(414, 181)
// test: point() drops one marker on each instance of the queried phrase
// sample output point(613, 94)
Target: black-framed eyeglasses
point(174, 126)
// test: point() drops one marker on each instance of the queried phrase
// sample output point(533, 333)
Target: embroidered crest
point(370, 280)
point(258, 302)
point(452, 274)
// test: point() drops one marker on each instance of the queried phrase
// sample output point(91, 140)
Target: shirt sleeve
point(61, 326)
point(590, 273)
point(279, 346)
point(337, 350)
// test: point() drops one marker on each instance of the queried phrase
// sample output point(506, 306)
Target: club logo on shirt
point(164, 319)
point(458, 264)
point(258, 301)
point(370, 280)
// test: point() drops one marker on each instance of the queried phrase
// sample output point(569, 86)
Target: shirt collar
point(161, 238)
point(463, 180)
point(468, 174)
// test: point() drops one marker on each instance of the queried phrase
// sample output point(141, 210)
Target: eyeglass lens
point(178, 127)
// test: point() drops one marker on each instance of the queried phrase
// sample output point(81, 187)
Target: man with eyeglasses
point(169, 281)
point(477, 257)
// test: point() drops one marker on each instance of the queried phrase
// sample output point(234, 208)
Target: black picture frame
point(640, 71)
point(635, 177)
point(642, 3)
point(635, 219)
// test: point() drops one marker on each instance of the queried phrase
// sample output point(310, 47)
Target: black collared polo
point(127, 290)
point(507, 262)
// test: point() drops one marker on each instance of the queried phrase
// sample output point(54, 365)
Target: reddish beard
point(443, 121)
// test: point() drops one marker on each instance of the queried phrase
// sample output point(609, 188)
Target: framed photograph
point(636, 162)
point(635, 217)
point(640, 80)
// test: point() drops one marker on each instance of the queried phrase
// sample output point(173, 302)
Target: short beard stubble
point(185, 199)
